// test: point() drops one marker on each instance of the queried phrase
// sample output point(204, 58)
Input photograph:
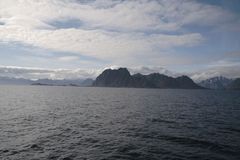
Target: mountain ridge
point(122, 78)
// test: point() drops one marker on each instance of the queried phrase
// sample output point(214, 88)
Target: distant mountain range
point(49, 82)
point(15, 81)
point(122, 78)
point(221, 83)
point(216, 83)
point(64, 82)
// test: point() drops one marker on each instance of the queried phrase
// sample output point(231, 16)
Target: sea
point(88, 123)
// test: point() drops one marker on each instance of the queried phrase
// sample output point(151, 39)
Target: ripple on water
point(66, 123)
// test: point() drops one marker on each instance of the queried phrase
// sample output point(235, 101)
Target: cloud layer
point(114, 32)
point(106, 29)
point(38, 73)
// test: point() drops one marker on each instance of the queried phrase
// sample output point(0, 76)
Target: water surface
point(42, 122)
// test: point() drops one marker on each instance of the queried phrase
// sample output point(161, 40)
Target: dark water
point(38, 122)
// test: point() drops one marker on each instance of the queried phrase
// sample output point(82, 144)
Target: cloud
point(39, 73)
point(97, 43)
point(224, 63)
point(147, 70)
point(152, 69)
point(106, 29)
point(140, 15)
point(129, 33)
point(226, 71)
point(68, 58)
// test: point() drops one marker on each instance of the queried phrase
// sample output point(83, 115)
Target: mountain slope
point(187, 83)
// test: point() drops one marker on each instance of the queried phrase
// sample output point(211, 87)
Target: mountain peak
point(113, 78)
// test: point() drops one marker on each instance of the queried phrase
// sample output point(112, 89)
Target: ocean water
point(64, 123)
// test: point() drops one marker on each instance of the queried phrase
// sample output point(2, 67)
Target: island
point(122, 78)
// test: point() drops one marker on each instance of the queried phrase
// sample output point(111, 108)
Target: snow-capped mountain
point(216, 82)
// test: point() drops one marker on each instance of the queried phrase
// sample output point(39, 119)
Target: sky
point(80, 38)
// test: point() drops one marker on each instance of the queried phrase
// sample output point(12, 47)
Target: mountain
point(87, 82)
point(64, 82)
point(14, 81)
point(235, 85)
point(187, 83)
point(122, 78)
point(216, 83)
